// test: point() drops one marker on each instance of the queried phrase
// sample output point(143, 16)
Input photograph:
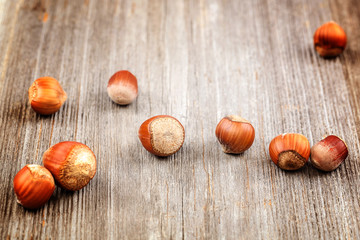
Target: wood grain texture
point(197, 61)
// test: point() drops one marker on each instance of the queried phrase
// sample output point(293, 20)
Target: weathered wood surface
point(197, 61)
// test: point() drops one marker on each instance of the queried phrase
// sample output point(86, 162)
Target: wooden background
point(197, 60)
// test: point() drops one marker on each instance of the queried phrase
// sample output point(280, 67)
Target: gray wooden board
point(197, 61)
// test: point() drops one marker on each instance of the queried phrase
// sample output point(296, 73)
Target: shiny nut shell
point(235, 134)
point(33, 186)
point(122, 87)
point(328, 153)
point(290, 151)
point(72, 164)
point(46, 95)
point(330, 40)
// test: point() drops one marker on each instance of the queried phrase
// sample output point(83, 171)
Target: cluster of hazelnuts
point(73, 164)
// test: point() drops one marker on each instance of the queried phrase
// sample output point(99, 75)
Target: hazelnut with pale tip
point(329, 153)
point(122, 87)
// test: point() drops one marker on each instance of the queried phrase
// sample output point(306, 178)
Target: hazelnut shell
point(122, 87)
point(235, 134)
point(72, 164)
point(290, 151)
point(328, 153)
point(46, 95)
point(33, 186)
point(330, 40)
point(162, 135)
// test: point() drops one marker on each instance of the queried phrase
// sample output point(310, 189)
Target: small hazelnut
point(329, 153)
point(289, 151)
point(122, 87)
point(162, 135)
point(235, 134)
point(72, 164)
point(33, 186)
point(330, 40)
point(46, 95)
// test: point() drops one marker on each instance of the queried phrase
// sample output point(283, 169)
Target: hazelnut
point(235, 134)
point(122, 87)
point(33, 186)
point(162, 135)
point(46, 95)
point(330, 40)
point(329, 153)
point(289, 151)
point(72, 164)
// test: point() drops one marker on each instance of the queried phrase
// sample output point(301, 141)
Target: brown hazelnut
point(235, 134)
point(330, 40)
point(122, 87)
point(46, 95)
point(162, 135)
point(329, 153)
point(72, 164)
point(33, 186)
point(290, 151)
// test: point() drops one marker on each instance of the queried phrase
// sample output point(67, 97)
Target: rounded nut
point(162, 135)
point(72, 164)
point(122, 87)
point(46, 95)
point(33, 186)
point(330, 40)
point(328, 153)
point(290, 151)
point(235, 134)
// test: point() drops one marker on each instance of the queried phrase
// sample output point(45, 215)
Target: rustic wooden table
point(198, 61)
